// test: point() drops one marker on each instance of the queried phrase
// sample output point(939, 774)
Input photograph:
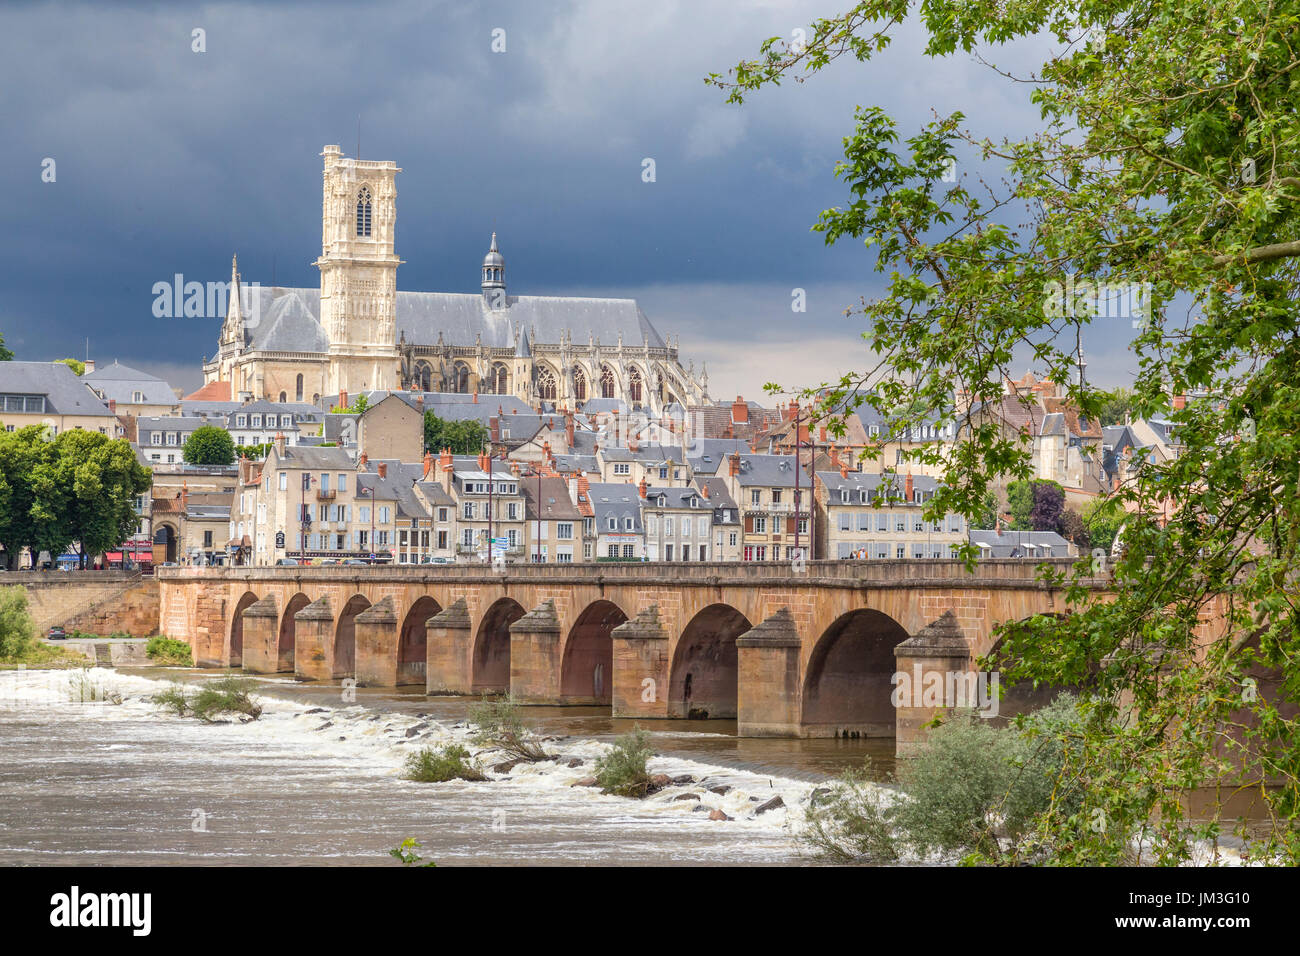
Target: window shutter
point(749, 524)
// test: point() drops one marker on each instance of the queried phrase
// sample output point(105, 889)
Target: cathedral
point(357, 332)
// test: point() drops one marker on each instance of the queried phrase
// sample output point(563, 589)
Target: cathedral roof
point(288, 320)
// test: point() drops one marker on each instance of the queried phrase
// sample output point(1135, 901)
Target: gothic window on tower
point(545, 385)
point(363, 211)
point(606, 382)
point(634, 386)
point(499, 379)
point(460, 378)
point(298, 389)
point(579, 384)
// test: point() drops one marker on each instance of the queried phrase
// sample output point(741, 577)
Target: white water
point(126, 783)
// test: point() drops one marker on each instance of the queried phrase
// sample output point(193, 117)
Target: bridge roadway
point(785, 653)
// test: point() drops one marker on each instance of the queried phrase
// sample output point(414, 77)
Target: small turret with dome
point(494, 277)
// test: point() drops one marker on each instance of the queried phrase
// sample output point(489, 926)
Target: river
point(317, 780)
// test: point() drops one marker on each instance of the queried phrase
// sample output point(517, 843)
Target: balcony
point(325, 494)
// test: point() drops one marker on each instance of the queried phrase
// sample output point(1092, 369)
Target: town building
point(874, 515)
point(52, 395)
point(763, 487)
point(132, 391)
point(620, 534)
point(678, 523)
point(554, 522)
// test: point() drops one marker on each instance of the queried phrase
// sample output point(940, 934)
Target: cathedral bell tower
point(358, 272)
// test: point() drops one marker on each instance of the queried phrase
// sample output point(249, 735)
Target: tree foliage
point(6, 354)
point(209, 445)
point(80, 486)
point(1165, 159)
point(76, 365)
point(465, 437)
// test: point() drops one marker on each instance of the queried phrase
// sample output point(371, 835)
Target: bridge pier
point(449, 651)
point(640, 655)
point(768, 692)
point(376, 642)
point(930, 662)
point(261, 637)
point(535, 656)
point(313, 643)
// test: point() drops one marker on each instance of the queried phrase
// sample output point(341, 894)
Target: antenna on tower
point(358, 136)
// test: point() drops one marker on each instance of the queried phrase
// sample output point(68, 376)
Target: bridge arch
point(235, 656)
point(704, 675)
point(1024, 696)
point(345, 637)
point(849, 678)
point(412, 643)
point(288, 634)
point(490, 670)
point(587, 667)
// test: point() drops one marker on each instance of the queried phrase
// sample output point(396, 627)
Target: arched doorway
point(587, 667)
point(412, 644)
point(491, 668)
point(284, 644)
point(705, 670)
point(345, 638)
point(850, 677)
point(236, 658)
point(164, 544)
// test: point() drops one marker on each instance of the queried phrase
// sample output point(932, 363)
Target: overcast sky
point(169, 160)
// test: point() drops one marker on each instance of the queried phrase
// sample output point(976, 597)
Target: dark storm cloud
point(168, 161)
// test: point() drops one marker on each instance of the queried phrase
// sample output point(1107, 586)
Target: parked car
point(56, 633)
point(353, 562)
point(287, 563)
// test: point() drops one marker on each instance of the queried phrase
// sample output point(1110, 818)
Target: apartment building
point(678, 523)
point(881, 515)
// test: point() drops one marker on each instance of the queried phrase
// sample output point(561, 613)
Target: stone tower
point(358, 272)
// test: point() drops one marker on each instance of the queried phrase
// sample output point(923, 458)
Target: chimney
point(279, 444)
point(514, 468)
point(821, 433)
point(641, 487)
point(844, 470)
point(573, 490)
point(90, 366)
point(568, 428)
point(383, 469)
point(1180, 402)
point(739, 411)
point(419, 402)
point(632, 445)
point(448, 469)
point(343, 399)
point(362, 460)
point(475, 394)
point(704, 490)
point(112, 406)
point(733, 464)
point(907, 487)
point(428, 465)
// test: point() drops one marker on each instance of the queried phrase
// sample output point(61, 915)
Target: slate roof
point(288, 320)
point(710, 454)
point(620, 501)
point(677, 498)
point(1020, 544)
point(119, 383)
point(65, 392)
point(768, 471)
point(856, 481)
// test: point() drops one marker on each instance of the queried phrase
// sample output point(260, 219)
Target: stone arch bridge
point(784, 653)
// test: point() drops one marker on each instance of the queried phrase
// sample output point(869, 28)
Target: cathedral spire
point(233, 331)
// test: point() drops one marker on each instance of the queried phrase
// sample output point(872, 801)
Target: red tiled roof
point(212, 392)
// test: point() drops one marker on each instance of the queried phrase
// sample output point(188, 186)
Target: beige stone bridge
point(784, 653)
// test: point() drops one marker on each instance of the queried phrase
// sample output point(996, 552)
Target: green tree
point(1117, 404)
point(32, 501)
point(987, 516)
point(1164, 159)
point(100, 478)
point(209, 445)
point(1102, 518)
point(359, 405)
point(6, 355)
point(76, 366)
point(465, 437)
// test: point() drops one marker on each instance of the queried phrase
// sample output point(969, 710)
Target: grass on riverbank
point(18, 644)
point(168, 652)
point(452, 762)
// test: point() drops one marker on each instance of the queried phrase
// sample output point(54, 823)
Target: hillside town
point(603, 480)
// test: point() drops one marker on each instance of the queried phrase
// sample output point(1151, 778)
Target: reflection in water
point(303, 785)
